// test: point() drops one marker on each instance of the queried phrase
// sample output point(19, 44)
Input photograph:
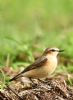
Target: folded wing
point(38, 63)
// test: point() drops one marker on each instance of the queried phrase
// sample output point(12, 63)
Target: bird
point(42, 67)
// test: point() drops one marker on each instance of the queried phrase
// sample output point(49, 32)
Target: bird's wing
point(38, 63)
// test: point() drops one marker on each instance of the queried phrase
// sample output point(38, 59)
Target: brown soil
point(48, 89)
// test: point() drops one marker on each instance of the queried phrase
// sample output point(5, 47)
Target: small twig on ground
point(14, 93)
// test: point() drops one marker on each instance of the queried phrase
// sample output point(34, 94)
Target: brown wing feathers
point(38, 63)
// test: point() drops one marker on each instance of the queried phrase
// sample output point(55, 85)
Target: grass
point(22, 22)
point(31, 26)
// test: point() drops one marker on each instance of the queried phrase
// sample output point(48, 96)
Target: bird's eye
point(53, 50)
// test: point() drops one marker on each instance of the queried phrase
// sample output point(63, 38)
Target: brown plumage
point(42, 67)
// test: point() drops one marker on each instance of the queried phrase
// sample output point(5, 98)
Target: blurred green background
point(28, 26)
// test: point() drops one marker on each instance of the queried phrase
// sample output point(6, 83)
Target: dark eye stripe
point(53, 50)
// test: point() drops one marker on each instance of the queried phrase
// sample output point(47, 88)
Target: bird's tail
point(16, 77)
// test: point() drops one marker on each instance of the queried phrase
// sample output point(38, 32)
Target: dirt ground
point(35, 89)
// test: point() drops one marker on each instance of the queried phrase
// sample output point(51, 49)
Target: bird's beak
point(61, 50)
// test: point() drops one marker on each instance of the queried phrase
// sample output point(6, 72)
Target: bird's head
point(52, 51)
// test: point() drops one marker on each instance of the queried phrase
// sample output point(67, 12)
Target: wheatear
point(42, 67)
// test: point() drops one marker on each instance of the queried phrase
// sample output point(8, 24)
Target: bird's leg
point(34, 84)
point(42, 81)
point(50, 77)
point(30, 79)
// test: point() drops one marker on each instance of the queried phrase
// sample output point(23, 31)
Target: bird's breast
point(51, 65)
